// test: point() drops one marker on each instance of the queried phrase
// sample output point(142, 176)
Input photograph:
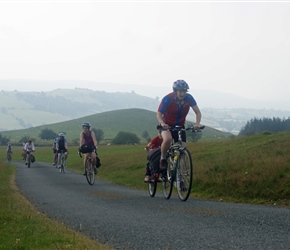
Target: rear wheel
point(184, 175)
point(167, 182)
point(90, 174)
point(152, 185)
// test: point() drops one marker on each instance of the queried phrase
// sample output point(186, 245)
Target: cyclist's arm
point(159, 116)
point(81, 139)
point(198, 116)
point(94, 139)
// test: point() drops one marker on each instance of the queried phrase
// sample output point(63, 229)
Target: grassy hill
point(130, 120)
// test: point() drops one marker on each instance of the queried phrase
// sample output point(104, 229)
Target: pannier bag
point(32, 158)
point(154, 158)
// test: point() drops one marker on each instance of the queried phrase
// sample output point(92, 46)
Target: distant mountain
point(222, 111)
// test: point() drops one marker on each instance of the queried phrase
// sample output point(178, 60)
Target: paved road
point(130, 219)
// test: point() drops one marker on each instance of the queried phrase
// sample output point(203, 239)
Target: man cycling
point(172, 111)
point(88, 140)
point(29, 149)
point(61, 145)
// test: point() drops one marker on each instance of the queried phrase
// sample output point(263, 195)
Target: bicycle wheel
point(167, 182)
point(184, 175)
point(62, 164)
point(152, 185)
point(29, 161)
point(9, 158)
point(90, 175)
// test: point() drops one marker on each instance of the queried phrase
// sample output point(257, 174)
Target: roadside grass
point(250, 169)
point(23, 227)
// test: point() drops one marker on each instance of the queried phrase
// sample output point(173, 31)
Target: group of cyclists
point(172, 111)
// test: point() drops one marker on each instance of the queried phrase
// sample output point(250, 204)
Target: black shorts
point(59, 151)
point(174, 135)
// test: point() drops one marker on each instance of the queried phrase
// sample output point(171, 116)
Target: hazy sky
point(240, 47)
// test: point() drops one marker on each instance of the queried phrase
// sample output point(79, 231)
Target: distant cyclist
point(88, 141)
point(8, 150)
point(61, 145)
point(29, 148)
point(54, 151)
point(172, 111)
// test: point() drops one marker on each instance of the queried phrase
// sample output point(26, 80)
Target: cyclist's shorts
point(59, 151)
point(174, 135)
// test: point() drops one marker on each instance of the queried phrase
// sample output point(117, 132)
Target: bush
point(125, 138)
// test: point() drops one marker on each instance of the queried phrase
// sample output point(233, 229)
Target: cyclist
point(153, 144)
point(172, 111)
point(61, 145)
point(8, 150)
point(29, 148)
point(88, 139)
point(54, 151)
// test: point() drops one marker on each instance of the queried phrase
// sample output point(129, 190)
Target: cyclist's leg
point(85, 159)
point(167, 138)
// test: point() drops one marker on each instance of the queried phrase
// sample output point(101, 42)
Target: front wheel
point(184, 175)
point(90, 174)
point(9, 158)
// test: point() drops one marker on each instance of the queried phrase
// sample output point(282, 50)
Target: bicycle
point(9, 157)
point(62, 162)
point(90, 169)
point(180, 170)
point(28, 155)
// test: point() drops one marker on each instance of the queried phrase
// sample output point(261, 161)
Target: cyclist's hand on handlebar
point(164, 125)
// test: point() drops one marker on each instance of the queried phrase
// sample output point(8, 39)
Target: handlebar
point(178, 128)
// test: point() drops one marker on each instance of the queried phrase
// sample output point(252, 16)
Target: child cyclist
point(152, 147)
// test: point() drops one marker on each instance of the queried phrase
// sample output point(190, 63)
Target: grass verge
point(23, 227)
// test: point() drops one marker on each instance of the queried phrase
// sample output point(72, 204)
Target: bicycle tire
point(152, 185)
point(29, 161)
point(167, 183)
point(90, 174)
point(9, 158)
point(62, 166)
point(184, 175)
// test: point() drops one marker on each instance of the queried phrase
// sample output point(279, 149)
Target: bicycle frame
point(63, 162)
point(89, 169)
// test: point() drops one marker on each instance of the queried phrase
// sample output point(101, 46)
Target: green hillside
point(130, 120)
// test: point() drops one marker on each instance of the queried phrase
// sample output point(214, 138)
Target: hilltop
point(111, 122)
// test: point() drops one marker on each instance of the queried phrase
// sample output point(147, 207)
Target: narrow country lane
point(129, 219)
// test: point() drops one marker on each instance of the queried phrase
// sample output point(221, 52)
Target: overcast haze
point(235, 47)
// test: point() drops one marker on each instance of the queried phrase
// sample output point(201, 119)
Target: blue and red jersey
point(175, 112)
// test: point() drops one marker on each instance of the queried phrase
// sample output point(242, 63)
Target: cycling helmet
point(61, 134)
point(180, 84)
point(86, 124)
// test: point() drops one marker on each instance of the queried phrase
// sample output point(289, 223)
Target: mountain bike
point(90, 169)
point(9, 156)
point(180, 169)
point(62, 162)
point(28, 155)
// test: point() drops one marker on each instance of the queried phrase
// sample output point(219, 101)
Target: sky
point(239, 47)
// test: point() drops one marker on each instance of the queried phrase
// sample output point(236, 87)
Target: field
point(252, 169)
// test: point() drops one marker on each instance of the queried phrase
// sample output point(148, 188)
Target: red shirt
point(156, 142)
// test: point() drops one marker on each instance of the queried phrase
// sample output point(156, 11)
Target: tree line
point(259, 125)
